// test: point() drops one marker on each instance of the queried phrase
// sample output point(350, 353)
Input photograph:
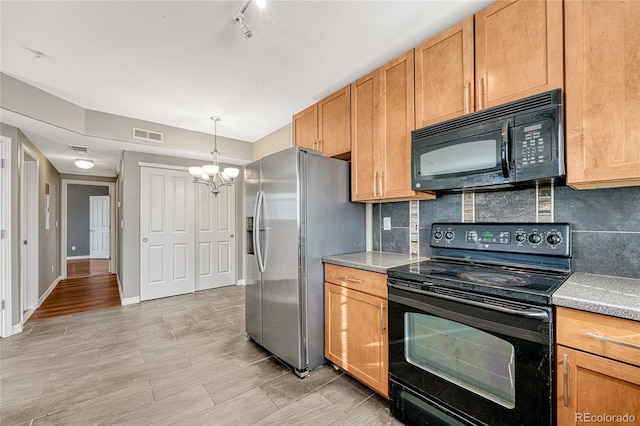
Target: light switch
point(386, 223)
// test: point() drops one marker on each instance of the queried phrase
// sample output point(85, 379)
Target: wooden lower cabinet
point(597, 369)
point(356, 338)
point(589, 386)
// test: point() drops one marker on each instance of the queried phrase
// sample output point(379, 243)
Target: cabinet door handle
point(467, 93)
point(382, 318)
point(565, 380)
point(614, 341)
point(351, 280)
point(480, 93)
point(375, 184)
point(382, 184)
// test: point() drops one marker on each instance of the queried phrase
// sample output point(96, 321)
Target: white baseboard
point(48, 292)
point(15, 329)
point(241, 282)
point(77, 257)
point(129, 300)
point(26, 315)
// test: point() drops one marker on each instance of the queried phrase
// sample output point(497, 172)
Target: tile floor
point(182, 360)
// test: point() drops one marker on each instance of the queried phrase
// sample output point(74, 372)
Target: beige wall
point(274, 142)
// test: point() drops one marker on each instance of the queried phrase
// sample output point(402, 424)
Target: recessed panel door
point(167, 235)
point(215, 245)
point(99, 227)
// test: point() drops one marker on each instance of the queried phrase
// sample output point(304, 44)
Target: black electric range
point(516, 261)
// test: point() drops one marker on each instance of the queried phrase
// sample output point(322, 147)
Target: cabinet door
point(518, 50)
point(334, 123)
point(305, 127)
point(603, 88)
point(589, 386)
point(365, 98)
point(444, 75)
point(397, 120)
point(356, 335)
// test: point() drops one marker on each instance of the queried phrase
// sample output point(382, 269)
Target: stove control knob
point(535, 238)
point(448, 235)
point(554, 239)
point(521, 238)
point(437, 235)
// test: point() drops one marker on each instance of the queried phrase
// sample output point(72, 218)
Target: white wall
point(274, 142)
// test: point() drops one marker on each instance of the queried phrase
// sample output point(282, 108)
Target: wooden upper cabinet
point(305, 127)
point(602, 91)
point(444, 81)
point(519, 50)
point(365, 100)
point(334, 123)
point(382, 118)
point(326, 126)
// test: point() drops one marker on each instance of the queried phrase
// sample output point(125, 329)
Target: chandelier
point(210, 174)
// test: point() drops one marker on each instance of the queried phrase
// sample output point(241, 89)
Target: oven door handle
point(526, 313)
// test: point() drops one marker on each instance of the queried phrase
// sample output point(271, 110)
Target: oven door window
point(473, 359)
point(459, 158)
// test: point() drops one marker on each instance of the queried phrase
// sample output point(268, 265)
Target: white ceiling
point(179, 62)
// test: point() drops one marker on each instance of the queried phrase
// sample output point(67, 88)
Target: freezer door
point(253, 289)
point(281, 311)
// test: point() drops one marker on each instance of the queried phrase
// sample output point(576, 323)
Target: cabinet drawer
point(615, 338)
point(368, 282)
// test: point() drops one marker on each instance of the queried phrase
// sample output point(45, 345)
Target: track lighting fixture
point(239, 17)
point(246, 32)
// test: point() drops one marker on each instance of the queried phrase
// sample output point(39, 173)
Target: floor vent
point(146, 135)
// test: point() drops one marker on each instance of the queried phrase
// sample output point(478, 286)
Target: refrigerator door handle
point(257, 230)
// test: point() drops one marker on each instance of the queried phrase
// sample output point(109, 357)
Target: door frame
point(29, 230)
point(5, 241)
point(63, 217)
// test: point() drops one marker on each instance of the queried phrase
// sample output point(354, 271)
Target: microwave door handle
point(504, 148)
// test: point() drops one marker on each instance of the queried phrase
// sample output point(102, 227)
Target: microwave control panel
point(533, 145)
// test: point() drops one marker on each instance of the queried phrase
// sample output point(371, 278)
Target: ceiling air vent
point(79, 150)
point(147, 135)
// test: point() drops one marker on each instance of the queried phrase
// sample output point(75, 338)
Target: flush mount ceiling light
point(239, 17)
point(210, 174)
point(81, 153)
point(83, 164)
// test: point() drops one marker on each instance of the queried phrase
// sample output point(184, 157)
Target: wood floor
point(182, 360)
point(89, 287)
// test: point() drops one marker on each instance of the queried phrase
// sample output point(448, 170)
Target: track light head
point(239, 18)
point(246, 32)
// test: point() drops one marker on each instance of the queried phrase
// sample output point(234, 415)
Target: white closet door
point(216, 247)
point(99, 227)
point(166, 232)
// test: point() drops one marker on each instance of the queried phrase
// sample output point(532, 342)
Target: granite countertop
point(374, 261)
point(614, 296)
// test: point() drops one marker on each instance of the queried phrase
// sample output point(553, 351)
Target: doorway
point(78, 240)
point(29, 254)
point(5, 235)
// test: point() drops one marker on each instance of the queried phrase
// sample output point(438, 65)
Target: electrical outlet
point(386, 223)
point(73, 248)
point(51, 268)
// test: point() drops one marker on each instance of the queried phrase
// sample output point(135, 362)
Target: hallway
point(88, 287)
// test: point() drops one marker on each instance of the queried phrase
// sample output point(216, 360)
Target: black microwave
point(514, 144)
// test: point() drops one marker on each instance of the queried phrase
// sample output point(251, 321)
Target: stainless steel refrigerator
point(297, 210)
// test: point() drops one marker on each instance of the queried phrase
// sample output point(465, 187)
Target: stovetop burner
point(492, 278)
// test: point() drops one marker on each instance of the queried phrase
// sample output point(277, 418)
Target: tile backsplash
point(605, 222)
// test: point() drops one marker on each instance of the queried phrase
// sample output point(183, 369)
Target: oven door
point(459, 361)
point(475, 156)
